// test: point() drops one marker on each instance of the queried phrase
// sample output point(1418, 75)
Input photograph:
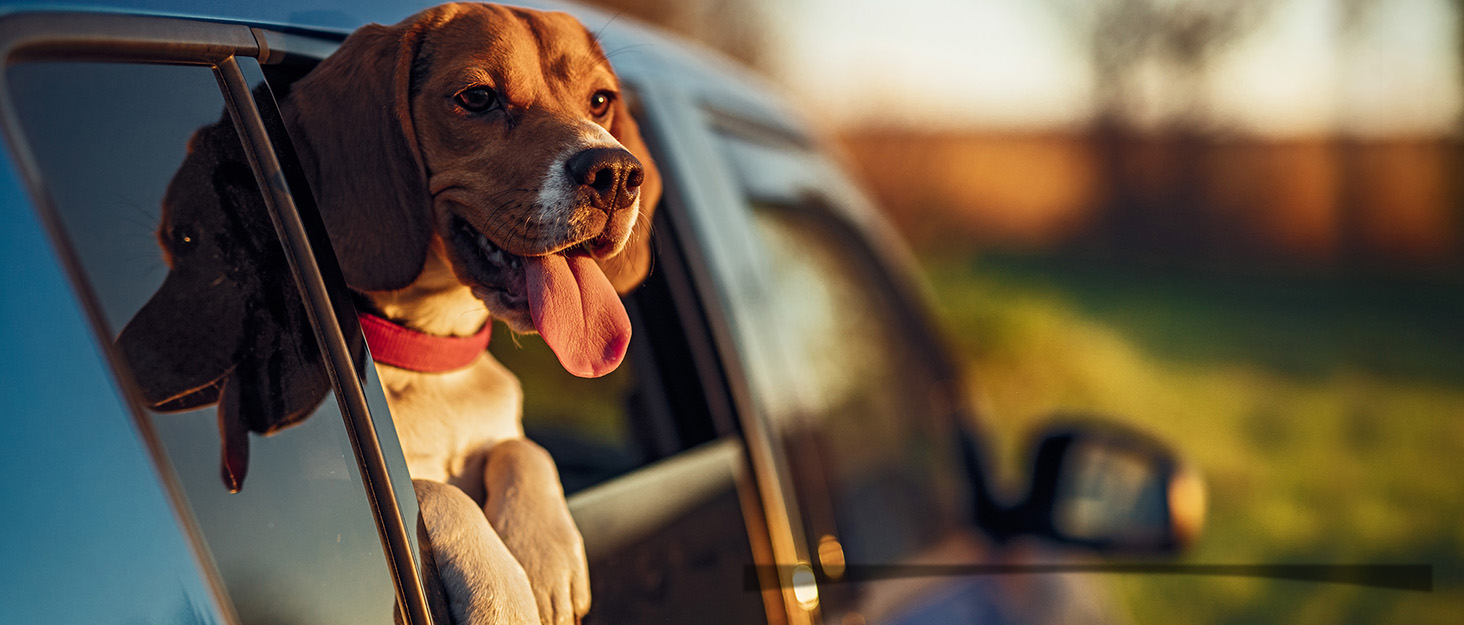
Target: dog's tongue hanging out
point(577, 312)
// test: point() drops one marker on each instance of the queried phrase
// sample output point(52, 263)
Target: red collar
point(399, 346)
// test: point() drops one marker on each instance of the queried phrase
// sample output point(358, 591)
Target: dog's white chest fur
point(446, 421)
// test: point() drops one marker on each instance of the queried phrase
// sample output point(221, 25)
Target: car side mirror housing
point(1102, 486)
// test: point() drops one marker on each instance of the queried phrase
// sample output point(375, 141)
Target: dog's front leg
point(466, 565)
point(525, 503)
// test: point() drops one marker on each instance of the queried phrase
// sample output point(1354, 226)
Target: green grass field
point(1327, 416)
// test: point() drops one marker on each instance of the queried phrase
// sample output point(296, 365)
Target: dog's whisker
point(141, 254)
point(137, 216)
point(500, 225)
point(469, 311)
point(623, 49)
point(601, 30)
point(142, 222)
point(514, 336)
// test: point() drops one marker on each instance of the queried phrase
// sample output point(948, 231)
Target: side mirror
point(1108, 488)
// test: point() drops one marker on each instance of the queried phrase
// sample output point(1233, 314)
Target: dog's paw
point(466, 566)
point(526, 506)
point(552, 554)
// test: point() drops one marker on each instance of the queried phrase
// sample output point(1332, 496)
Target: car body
point(787, 431)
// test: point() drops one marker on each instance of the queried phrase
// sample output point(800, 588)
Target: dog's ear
point(351, 122)
point(627, 269)
point(278, 382)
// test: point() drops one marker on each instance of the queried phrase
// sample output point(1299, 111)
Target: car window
point(586, 424)
point(70, 452)
point(210, 330)
point(860, 409)
point(888, 462)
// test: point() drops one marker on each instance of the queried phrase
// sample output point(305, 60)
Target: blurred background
point(1237, 224)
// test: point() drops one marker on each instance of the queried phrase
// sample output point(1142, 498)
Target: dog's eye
point(600, 103)
point(477, 99)
point(181, 239)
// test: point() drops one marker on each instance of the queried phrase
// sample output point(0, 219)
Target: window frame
point(180, 41)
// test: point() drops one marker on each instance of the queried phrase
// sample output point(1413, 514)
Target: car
point(787, 441)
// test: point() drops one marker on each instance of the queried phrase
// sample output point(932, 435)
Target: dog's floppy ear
point(351, 121)
point(277, 383)
point(627, 269)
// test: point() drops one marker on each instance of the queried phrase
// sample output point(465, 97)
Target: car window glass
point(867, 430)
point(887, 464)
point(211, 328)
point(54, 482)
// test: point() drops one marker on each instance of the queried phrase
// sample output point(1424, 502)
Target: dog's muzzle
point(609, 178)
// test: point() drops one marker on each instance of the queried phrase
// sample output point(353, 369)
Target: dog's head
point(227, 324)
point(503, 134)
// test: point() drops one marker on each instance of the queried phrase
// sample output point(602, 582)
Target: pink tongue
point(577, 312)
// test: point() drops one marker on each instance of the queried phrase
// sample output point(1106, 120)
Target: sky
point(997, 62)
point(1303, 68)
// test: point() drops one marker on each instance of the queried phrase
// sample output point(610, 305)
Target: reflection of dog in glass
point(472, 162)
point(226, 325)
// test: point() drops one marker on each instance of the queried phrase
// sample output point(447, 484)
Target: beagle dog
point(477, 162)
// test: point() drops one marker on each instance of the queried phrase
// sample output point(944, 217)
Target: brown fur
point(419, 153)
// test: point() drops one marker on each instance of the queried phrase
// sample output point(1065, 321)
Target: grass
point(1327, 416)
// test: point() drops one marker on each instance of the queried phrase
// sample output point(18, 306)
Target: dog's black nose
point(610, 176)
